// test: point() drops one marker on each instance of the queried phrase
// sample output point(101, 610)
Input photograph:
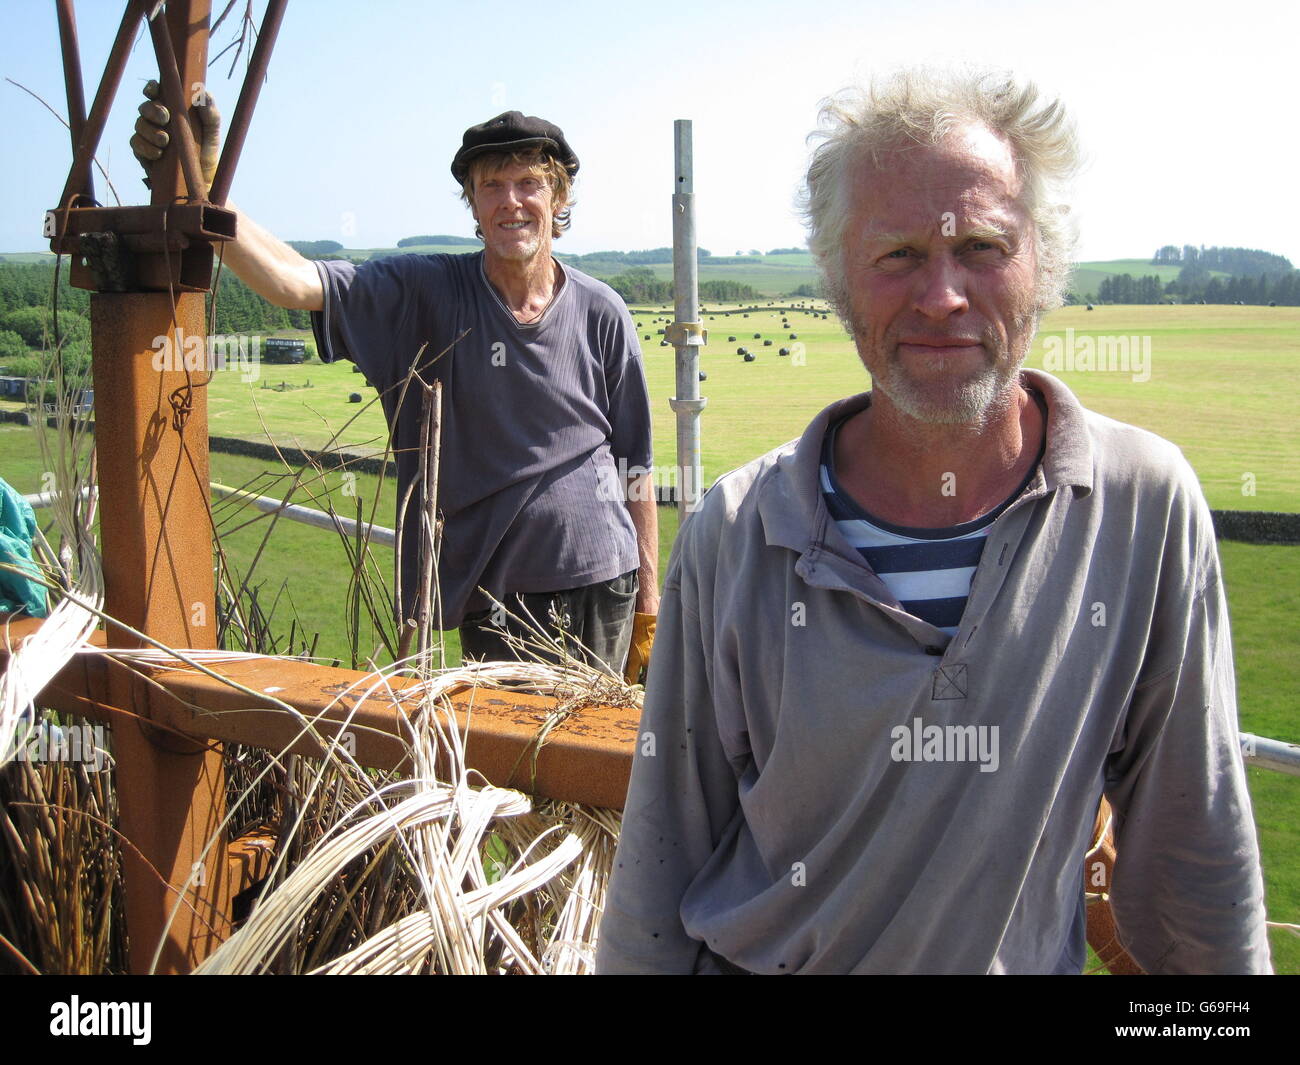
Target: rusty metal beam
point(76, 91)
point(79, 173)
point(248, 93)
point(181, 222)
point(190, 20)
point(587, 757)
point(151, 428)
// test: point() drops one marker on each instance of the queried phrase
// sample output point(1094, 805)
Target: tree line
point(29, 288)
point(648, 257)
point(1226, 260)
point(640, 285)
point(1262, 289)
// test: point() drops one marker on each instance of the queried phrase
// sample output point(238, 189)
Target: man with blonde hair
point(901, 659)
point(544, 402)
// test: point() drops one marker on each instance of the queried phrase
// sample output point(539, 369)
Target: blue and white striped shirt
point(928, 570)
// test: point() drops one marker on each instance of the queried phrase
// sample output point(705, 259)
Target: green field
point(1221, 386)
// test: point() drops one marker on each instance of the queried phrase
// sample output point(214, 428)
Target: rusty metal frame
point(76, 93)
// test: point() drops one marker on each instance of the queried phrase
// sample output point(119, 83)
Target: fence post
point(686, 334)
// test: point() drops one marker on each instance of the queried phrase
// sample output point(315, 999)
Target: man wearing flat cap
point(544, 397)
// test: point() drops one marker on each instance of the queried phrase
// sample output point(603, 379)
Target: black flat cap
point(510, 132)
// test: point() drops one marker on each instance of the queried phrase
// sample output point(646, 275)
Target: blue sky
point(1185, 110)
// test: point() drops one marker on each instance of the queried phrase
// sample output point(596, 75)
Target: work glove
point(151, 136)
point(638, 655)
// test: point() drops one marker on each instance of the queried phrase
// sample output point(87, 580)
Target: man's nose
point(941, 287)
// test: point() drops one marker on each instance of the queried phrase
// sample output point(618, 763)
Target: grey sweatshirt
point(824, 783)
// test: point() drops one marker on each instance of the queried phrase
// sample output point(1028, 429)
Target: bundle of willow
point(433, 871)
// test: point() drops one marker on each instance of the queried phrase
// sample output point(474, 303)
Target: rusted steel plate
point(204, 222)
point(587, 757)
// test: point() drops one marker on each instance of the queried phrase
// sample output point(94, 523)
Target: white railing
point(377, 533)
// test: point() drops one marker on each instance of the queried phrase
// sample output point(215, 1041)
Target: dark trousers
point(593, 622)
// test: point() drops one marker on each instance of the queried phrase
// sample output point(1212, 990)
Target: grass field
point(1221, 386)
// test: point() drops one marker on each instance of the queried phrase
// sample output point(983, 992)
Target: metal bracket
point(691, 334)
point(695, 405)
point(170, 247)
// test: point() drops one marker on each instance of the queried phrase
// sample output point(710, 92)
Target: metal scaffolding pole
point(686, 333)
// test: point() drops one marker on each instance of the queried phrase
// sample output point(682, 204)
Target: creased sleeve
point(682, 796)
point(629, 397)
point(1188, 892)
point(366, 308)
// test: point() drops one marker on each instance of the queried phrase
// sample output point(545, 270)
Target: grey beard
point(975, 401)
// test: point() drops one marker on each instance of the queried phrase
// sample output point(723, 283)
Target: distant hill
point(441, 240)
point(315, 249)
